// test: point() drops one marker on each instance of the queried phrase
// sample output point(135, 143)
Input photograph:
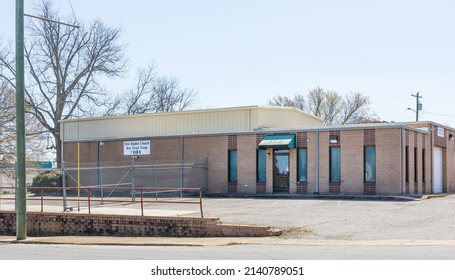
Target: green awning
point(282, 141)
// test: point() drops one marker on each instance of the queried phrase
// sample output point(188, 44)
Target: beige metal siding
point(286, 118)
point(230, 120)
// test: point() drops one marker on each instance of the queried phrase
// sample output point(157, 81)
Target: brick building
point(269, 150)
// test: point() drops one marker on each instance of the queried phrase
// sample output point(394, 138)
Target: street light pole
point(21, 211)
point(418, 105)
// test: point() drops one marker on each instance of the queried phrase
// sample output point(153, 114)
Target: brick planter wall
point(60, 224)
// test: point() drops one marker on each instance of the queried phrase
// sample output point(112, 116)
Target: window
point(232, 166)
point(423, 165)
point(407, 164)
point(370, 164)
point(261, 165)
point(302, 165)
point(335, 162)
point(415, 165)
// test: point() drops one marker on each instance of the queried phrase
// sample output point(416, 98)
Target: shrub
point(48, 179)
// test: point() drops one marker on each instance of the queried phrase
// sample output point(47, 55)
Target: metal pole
point(98, 164)
point(142, 203)
point(78, 177)
point(206, 175)
point(64, 185)
point(62, 161)
point(133, 181)
point(200, 203)
point(181, 165)
point(317, 163)
point(21, 212)
point(15, 185)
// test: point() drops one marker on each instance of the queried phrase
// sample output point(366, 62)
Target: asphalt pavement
point(304, 221)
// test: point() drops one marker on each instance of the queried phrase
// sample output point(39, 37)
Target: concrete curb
point(200, 242)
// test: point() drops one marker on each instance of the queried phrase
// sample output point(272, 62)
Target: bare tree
point(170, 97)
point(355, 109)
point(64, 65)
point(153, 94)
point(7, 125)
point(315, 99)
point(297, 102)
point(139, 100)
point(330, 106)
point(35, 136)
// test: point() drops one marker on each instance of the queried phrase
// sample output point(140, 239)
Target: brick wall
point(388, 161)
point(293, 171)
point(352, 162)
point(214, 148)
point(61, 224)
point(246, 164)
point(450, 163)
point(311, 172)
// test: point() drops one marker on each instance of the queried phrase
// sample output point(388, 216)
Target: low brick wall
point(60, 224)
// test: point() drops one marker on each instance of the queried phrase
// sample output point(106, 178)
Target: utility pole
point(418, 105)
point(21, 211)
point(21, 191)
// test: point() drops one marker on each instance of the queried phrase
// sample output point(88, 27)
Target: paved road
point(304, 219)
point(239, 252)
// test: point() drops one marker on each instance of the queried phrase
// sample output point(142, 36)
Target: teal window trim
point(335, 165)
point(369, 165)
point(302, 165)
point(261, 166)
point(232, 166)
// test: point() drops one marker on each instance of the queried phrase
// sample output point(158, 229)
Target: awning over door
point(282, 141)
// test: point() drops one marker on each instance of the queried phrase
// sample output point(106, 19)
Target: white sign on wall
point(136, 148)
point(440, 132)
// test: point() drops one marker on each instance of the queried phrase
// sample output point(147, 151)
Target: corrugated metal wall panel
point(183, 123)
point(288, 118)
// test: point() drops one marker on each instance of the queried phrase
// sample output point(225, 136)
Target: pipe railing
point(90, 200)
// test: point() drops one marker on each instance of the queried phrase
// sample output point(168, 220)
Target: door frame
point(283, 181)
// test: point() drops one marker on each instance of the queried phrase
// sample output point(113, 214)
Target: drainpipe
point(182, 147)
point(317, 163)
point(402, 161)
point(432, 159)
point(62, 160)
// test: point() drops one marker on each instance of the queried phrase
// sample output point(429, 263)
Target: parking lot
point(425, 219)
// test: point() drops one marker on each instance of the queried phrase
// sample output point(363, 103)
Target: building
point(262, 150)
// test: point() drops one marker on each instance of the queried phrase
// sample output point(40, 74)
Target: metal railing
point(92, 201)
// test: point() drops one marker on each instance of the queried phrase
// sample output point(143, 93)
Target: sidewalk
point(222, 241)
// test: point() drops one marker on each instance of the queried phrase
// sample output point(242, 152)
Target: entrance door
point(281, 171)
point(437, 170)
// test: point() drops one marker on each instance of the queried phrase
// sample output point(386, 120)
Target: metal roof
point(196, 122)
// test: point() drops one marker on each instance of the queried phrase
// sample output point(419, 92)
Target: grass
point(296, 232)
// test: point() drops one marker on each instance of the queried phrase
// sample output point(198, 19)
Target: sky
point(239, 53)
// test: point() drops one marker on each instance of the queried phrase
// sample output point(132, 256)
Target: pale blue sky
point(238, 53)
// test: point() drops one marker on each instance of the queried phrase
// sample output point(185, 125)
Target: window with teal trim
point(232, 166)
point(261, 165)
point(335, 164)
point(370, 164)
point(302, 165)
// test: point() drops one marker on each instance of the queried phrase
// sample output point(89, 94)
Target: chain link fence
point(110, 180)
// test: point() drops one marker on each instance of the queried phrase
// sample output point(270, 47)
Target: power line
point(442, 115)
point(74, 14)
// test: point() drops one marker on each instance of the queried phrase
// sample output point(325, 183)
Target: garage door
point(437, 170)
